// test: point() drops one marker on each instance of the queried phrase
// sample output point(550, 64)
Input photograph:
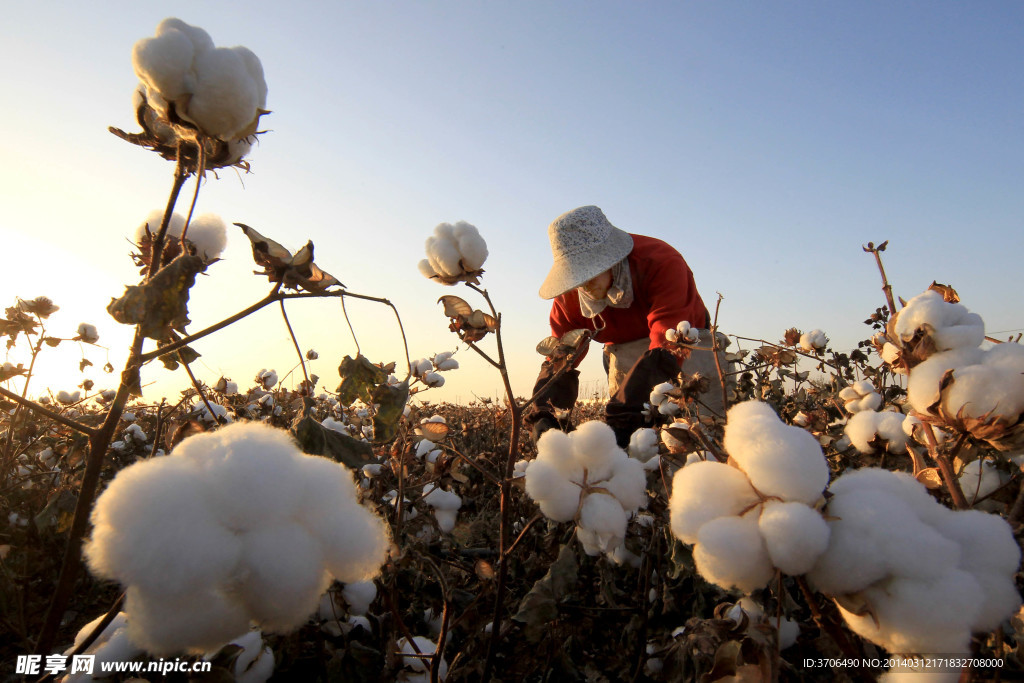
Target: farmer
point(629, 290)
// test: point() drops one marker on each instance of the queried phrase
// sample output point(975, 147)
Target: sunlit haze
point(767, 141)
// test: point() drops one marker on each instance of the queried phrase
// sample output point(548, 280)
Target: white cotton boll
point(628, 484)
point(359, 595)
point(200, 621)
point(780, 460)
point(794, 534)
point(992, 386)
point(979, 478)
point(557, 497)
point(923, 384)
point(421, 367)
point(426, 270)
point(643, 444)
point(865, 425)
point(621, 555)
point(602, 515)
point(285, 576)
point(332, 424)
point(153, 527)
point(555, 449)
point(659, 392)
point(815, 340)
point(705, 491)
point(900, 485)
point(520, 467)
point(208, 234)
point(669, 408)
point(594, 446)
point(199, 38)
point(471, 245)
point(789, 631)
point(920, 615)
point(88, 333)
point(446, 519)
point(730, 553)
point(67, 398)
point(890, 352)
point(442, 500)
point(425, 646)
point(433, 379)
point(671, 335)
point(443, 256)
point(254, 68)
point(448, 364)
point(164, 62)
point(253, 473)
point(225, 98)
point(355, 541)
point(952, 325)
point(119, 622)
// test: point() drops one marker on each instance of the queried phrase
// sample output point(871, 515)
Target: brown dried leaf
point(949, 294)
point(433, 431)
point(792, 337)
point(930, 477)
point(455, 307)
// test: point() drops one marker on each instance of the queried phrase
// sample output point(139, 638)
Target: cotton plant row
point(235, 527)
point(908, 573)
point(584, 477)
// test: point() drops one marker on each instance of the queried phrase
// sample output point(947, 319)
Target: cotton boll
point(200, 39)
point(815, 340)
point(254, 68)
point(979, 478)
point(88, 333)
point(731, 553)
point(225, 98)
point(915, 615)
point(426, 270)
point(794, 534)
point(120, 621)
point(471, 245)
point(779, 459)
point(865, 425)
point(557, 497)
point(164, 63)
point(603, 516)
point(950, 324)
point(643, 444)
point(284, 576)
point(355, 541)
point(925, 378)
point(425, 646)
point(628, 484)
point(153, 527)
point(200, 621)
point(208, 234)
point(594, 447)
point(555, 448)
point(900, 485)
point(444, 256)
point(705, 491)
point(359, 595)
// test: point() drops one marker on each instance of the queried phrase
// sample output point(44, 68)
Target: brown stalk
point(945, 469)
point(886, 287)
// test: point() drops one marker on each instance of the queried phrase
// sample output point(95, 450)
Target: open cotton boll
point(900, 485)
point(628, 483)
point(255, 663)
point(444, 256)
point(920, 615)
point(359, 595)
point(225, 97)
point(951, 325)
point(557, 497)
point(979, 478)
point(285, 577)
point(604, 521)
point(164, 62)
point(194, 622)
point(355, 541)
point(643, 444)
point(154, 528)
point(594, 447)
point(555, 448)
point(994, 385)
point(925, 378)
point(704, 491)
point(471, 245)
point(815, 340)
point(446, 505)
point(794, 535)
point(88, 333)
point(426, 270)
point(424, 646)
point(865, 425)
point(730, 553)
point(208, 234)
point(780, 460)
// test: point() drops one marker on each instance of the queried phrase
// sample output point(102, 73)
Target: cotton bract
point(220, 90)
point(584, 476)
point(236, 525)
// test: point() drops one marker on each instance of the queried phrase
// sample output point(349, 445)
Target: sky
point(768, 142)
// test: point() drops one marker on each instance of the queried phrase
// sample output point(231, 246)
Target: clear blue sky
point(767, 141)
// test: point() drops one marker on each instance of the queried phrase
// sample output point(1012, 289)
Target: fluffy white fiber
point(418, 669)
point(780, 460)
point(813, 341)
point(206, 232)
point(584, 476)
point(706, 490)
point(731, 553)
point(453, 251)
point(984, 381)
point(928, 576)
point(445, 504)
point(643, 444)
point(950, 325)
point(112, 645)
point(794, 535)
point(865, 425)
point(860, 396)
point(236, 525)
point(220, 90)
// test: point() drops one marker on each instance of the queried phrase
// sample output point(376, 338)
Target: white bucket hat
point(584, 245)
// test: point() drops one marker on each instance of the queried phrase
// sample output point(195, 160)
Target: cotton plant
point(87, 333)
point(910, 574)
point(235, 527)
point(683, 333)
point(427, 370)
point(185, 78)
point(758, 513)
point(868, 428)
point(444, 504)
point(586, 478)
point(455, 253)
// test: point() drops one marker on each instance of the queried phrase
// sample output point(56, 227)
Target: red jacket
point(664, 294)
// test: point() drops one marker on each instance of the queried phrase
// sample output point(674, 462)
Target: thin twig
point(53, 415)
point(295, 343)
point(351, 329)
point(886, 287)
point(945, 469)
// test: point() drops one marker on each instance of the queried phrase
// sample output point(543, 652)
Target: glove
point(559, 395)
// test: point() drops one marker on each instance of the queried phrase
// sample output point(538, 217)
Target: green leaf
point(160, 305)
point(316, 439)
point(358, 379)
point(391, 404)
point(540, 606)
